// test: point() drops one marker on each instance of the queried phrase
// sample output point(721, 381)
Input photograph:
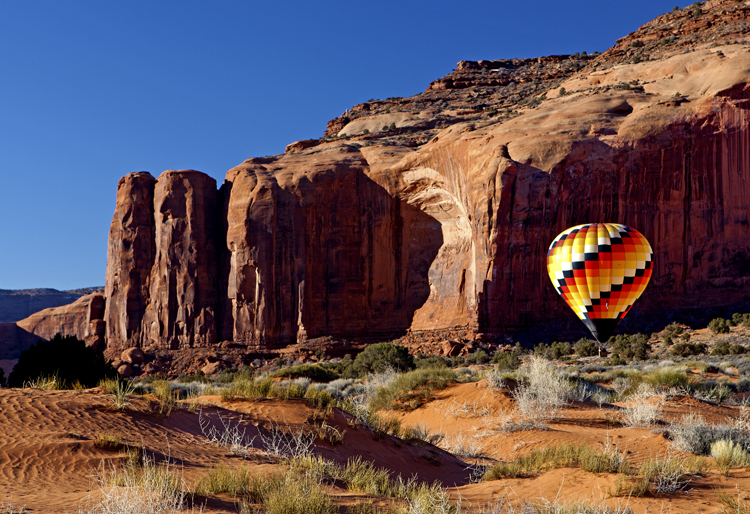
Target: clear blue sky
point(93, 90)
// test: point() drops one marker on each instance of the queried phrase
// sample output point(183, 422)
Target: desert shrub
point(605, 460)
point(586, 348)
point(728, 455)
point(342, 369)
point(543, 392)
point(688, 349)
point(665, 378)
point(692, 434)
point(630, 347)
point(229, 375)
point(314, 372)
point(120, 391)
point(221, 479)
point(673, 329)
point(740, 319)
point(724, 347)
point(554, 351)
point(408, 390)
point(719, 326)
point(290, 492)
point(507, 359)
point(478, 357)
point(65, 357)
point(430, 361)
point(141, 485)
point(108, 441)
point(2, 377)
point(641, 413)
point(379, 357)
point(198, 377)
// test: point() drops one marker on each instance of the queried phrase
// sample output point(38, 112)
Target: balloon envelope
point(600, 270)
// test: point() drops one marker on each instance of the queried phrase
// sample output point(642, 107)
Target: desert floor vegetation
point(398, 433)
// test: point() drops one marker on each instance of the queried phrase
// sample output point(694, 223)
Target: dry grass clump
point(120, 391)
point(641, 413)
point(109, 441)
point(289, 492)
point(140, 486)
point(543, 393)
point(461, 446)
point(739, 504)
point(669, 475)
point(409, 390)
point(52, 383)
point(221, 479)
point(162, 390)
point(604, 460)
point(362, 476)
point(728, 455)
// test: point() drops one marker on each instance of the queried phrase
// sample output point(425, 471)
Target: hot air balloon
point(600, 270)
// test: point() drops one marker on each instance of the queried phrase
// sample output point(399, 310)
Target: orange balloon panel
point(600, 270)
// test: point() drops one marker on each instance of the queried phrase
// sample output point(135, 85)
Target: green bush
point(479, 357)
point(430, 361)
point(342, 369)
point(725, 348)
point(586, 348)
point(556, 350)
point(380, 357)
point(65, 357)
point(314, 372)
point(719, 326)
point(674, 329)
point(688, 349)
point(739, 319)
point(507, 359)
point(630, 347)
point(667, 379)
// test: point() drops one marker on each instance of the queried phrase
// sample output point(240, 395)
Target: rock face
point(82, 319)
point(162, 266)
point(441, 221)
point(130, 256)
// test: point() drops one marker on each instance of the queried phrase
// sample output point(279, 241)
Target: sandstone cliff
point(82, 319)
point(435, 212)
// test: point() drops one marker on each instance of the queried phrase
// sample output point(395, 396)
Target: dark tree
point(67, 358)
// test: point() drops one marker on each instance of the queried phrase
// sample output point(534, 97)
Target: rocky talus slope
point(432, 215)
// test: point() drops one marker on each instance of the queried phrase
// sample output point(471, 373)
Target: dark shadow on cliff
point(669, 187)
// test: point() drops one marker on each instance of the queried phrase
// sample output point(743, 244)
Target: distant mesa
point(17, 304)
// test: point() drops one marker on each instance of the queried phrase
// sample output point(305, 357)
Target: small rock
point(451, 349)
point(125, 371)
point(132, 356)
point(212, 368)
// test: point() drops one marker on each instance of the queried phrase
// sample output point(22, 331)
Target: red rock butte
point(434, 213)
